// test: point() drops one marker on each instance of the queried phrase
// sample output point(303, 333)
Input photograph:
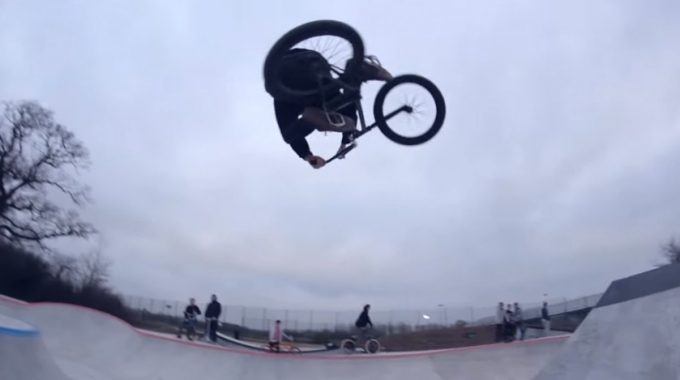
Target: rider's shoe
point(348, 137)
point(371, 69)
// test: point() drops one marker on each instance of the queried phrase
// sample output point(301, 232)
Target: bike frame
point(351, 94)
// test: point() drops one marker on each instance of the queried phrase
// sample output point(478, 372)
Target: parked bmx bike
point(188, 327)
point(288, 347)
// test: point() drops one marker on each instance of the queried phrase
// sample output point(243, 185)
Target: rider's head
point(366, 307)
point(278, 322)
point(214, 297)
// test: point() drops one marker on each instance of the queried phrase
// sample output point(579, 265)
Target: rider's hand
point(316, 161)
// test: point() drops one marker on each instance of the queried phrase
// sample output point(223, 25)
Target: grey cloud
point(553, 173)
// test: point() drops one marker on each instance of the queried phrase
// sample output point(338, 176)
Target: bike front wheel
point(372, 346)
point(409, 109)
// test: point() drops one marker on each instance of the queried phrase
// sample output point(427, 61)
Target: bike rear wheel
point(348, 346)
point(423, 109)
point(335, 41)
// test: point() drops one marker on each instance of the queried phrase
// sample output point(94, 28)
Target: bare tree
point(64, 268)
point(93, 269)
point(671, 252)
point(39, 157)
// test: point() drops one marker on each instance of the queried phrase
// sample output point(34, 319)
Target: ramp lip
point(641, 285)
point(13, 327)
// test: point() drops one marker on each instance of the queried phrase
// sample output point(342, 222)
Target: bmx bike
point(289, 347)
point(350, 345)
point(188, 327)
point(408, 109)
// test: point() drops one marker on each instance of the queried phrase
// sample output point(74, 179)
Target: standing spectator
point(212, 316)
point(191, 313)
point(519, 322)
point(545, 319)
point(275, 335)
point(508, 324)
point(500, 317)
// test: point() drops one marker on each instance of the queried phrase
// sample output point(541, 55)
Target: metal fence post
point(264, 319)
point(285, 312)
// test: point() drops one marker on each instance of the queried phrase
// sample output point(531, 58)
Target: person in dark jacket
point(545, 319)
point(191, 313)
point(362, 324)
point(212, 316)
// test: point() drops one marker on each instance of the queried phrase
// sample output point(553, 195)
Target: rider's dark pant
point(361, 333)
point(212, 326)
point(301, 128)
point(301, 72)
point(188, 326)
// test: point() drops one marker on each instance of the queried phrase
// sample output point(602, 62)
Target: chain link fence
point(391, 321)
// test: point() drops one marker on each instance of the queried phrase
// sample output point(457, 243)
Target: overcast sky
point(556, 170)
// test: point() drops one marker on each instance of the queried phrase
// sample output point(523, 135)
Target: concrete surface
point(637, 337)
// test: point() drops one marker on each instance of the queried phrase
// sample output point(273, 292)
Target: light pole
point(443, 317)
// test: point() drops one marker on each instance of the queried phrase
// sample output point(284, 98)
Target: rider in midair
point(297, 120)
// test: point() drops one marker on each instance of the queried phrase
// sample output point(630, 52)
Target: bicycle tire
point(426, 84)
point(273, 83)
point(348, 346)
point(372, 346)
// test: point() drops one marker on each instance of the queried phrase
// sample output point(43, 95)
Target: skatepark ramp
point(633, 333)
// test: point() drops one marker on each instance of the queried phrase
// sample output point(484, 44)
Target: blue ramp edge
point(13, 327)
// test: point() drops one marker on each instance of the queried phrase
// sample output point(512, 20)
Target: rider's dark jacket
point(293, 128)
point(191, 312)
point(213, 310)
point(363, 320)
